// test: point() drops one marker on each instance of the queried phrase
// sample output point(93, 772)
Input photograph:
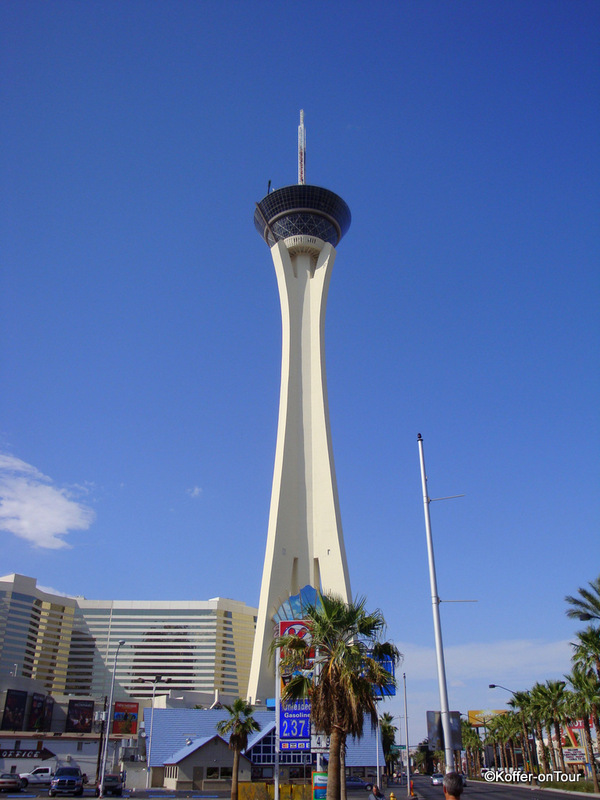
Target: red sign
point(125, 719)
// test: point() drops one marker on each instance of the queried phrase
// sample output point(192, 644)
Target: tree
point(553, 702)
point(585, 697)
point(388, 738)
point(238, 727)
point(537, 713)
point(522, 702)
point(346, 642)
point(587, 655)
point(587, 605)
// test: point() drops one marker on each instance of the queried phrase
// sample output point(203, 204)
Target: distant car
point(437, 779)
point(10, 782)
point(352, 782)
point(112, 785)
point(66, 780)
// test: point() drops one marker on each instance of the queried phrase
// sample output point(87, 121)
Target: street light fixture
point(110, 703)
point(154, 681)
point(497, 686)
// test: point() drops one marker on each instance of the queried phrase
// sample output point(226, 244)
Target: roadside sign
point(294, 726)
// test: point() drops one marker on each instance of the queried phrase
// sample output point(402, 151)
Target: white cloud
point(515, 658)
point(33, 509)
point(195, 492)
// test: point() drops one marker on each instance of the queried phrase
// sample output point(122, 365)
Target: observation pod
point(302, 226)
point(301, 210)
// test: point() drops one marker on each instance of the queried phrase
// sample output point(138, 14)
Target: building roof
point(173, 727)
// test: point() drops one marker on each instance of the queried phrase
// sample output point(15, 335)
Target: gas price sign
point(294, 726)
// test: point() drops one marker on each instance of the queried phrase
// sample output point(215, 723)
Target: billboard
point(80, 716)
point(435, 732)
point(35, 721)
point(125, 718)
point(14, 710)
point(479, 719)
point(48, 711)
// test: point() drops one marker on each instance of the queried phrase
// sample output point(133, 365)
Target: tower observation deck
point(301, 210)
point(305, 546)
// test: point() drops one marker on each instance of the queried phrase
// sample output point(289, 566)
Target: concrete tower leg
point(304, 542)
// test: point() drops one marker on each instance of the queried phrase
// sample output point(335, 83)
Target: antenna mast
point(301, 150)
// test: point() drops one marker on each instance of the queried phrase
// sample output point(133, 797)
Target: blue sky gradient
point(140, 332)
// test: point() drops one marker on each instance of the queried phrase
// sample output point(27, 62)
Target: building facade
point(68, 643)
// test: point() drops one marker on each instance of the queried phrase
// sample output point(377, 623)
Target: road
point(477, 790)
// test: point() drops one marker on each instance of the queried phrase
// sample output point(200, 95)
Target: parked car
point(437, 779)
point(353, 782)
point(40, 776)
point(112, 785)
point(66, 780)
point(10, 782)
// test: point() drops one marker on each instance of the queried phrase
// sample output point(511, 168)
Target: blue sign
point(386, 691)
point(294, 726)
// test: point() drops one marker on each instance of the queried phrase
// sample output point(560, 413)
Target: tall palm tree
point(388, 738)
point(554, 702)
point(585, 696)
point(522, 702)
point(586, 652)
point(537, 712)
point(238, 727)
point(587, 605)
point(347, 647)
point(472, 745)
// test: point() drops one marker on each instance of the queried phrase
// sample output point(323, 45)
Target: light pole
point(408, 789)
point(437, 625)
point(497, 686)
point(154, 681)
point(110, 703)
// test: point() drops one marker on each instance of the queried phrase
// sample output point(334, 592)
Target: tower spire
point(301, 150)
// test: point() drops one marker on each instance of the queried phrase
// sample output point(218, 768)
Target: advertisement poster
point(36, 713)
point(14, 710)
point(319, 785)
point(125, 718)
point(435, 733)
point(294, 717)
point(80, 716)
point(48, 711)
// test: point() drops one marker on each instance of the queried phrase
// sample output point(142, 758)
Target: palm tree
point(553, 700)
point(522, 702)
point(585, 696)
point(347, 647)
point(472, 745)
point(587, 605)
point(238, 727)
point(388, 738)
point(587, 654)
point(537, 711)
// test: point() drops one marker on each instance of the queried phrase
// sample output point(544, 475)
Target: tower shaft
point(304, 541)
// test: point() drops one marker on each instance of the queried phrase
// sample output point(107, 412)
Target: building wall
point(70, 643)
point(35, 632)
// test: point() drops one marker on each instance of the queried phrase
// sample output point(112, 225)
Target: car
point(66, 780)
point(40, 776)
point(437, 779)
point(112, 785)
point(354, 782)
point(10, 782)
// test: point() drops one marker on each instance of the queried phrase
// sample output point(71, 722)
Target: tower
point(302, 225)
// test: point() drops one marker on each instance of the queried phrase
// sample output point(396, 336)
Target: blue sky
point(140, 327)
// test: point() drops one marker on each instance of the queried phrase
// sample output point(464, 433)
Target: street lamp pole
point(437, 625)
point(408, 790)
point(110, 703)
